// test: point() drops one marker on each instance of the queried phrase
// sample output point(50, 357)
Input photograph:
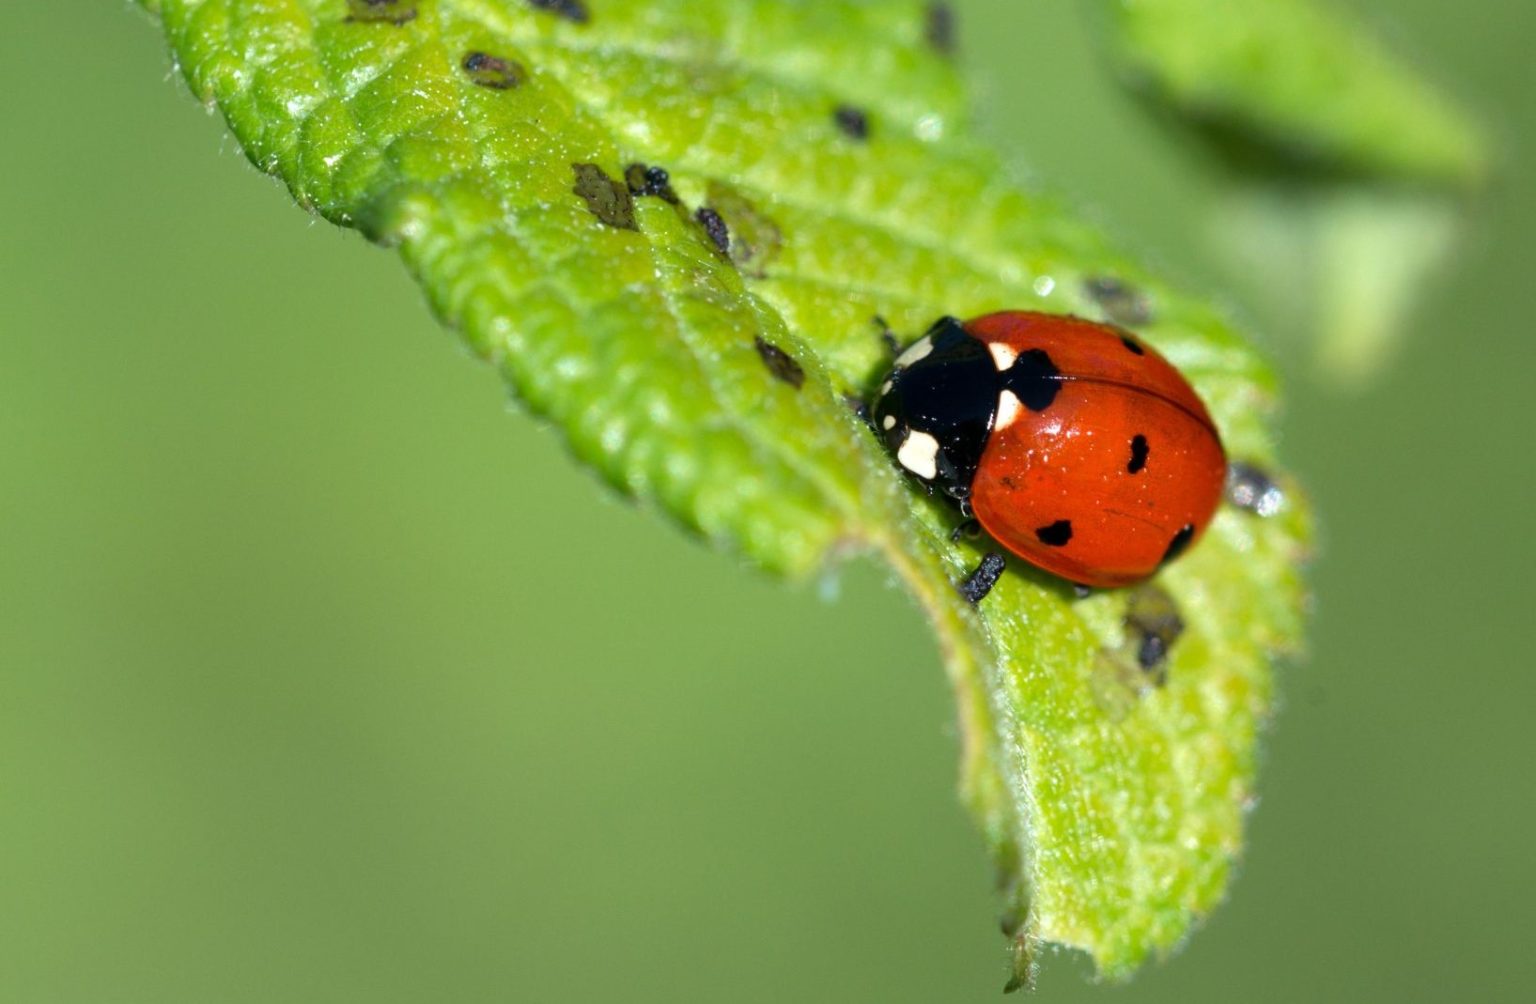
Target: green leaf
point(697, 340)
point(1300, 78)
point(1346, 167)
point(1343, 263)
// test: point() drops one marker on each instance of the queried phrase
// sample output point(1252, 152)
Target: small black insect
point(607, 199)
point(1121, 302)
point(980, 582)
point(940, 28)
point(1152, 625)
point(491, 71)
point(780, 363)
point(714, 226)
point(644, 180)
point(853, 122)
point(571, 10)
point(395, 12)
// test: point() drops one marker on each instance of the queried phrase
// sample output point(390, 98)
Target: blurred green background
point(324, 679)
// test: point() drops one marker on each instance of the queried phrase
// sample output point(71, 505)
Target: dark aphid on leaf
point(607, 199)
point(493, 72)
point(852, 121)
point(980, 582)
point(780, 363)
point(1076, 446)
point(571, 10)
point(940, 28)
point(1152, 625)
point(643, 179)
point(396, 12)
point(714, 227)
point(1121, 302)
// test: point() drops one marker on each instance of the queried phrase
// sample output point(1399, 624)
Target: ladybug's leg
point(892, 346)
point(980, 582)
point(860, 408)
point(968, 530)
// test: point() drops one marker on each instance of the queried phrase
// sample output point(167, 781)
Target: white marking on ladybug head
point(916, 351)
point(1002, 355)
point(919, 454)
point(1008, 408)
point(888, 423)
point(885, 388)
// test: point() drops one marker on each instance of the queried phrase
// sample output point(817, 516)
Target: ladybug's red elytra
point(1076, 446)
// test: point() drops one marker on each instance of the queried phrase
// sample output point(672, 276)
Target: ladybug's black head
point(936, 406)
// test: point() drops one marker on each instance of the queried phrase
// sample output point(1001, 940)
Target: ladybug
point(1076, 446)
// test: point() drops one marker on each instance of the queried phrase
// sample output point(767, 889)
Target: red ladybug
point(1077, 447)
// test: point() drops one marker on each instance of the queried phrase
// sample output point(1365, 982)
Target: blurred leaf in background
point(1347, 172)
point(296, 704)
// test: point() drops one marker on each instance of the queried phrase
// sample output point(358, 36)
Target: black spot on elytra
point(1139, 451)
point(608, 200)
point(714, 226)
point(1120, 301)
point(491, 71)
point(1057, 534)
point(571, 10)
point(980, 582)
point(1132, 344)
point(940, 29)
point(655, 181)
point(396, 12)
point(1034, 379)
point(1251, 489)
point(853, 122)
point(780, 363)
point(1179, 543)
